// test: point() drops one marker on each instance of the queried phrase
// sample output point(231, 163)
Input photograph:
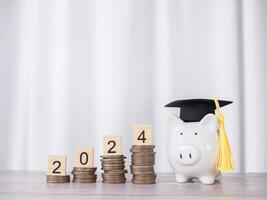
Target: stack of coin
point(57, 179)
point(114, 169)
point(143, 160)
point(84, 175)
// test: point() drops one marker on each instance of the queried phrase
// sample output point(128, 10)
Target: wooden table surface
point(32, 185)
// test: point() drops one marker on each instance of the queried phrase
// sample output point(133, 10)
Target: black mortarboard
point(193, 110)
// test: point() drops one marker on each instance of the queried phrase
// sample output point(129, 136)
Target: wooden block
point(142, 134)
point(84, 157)
point(56, 165)
point(112, 145)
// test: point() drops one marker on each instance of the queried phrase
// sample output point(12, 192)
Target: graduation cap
point(193, 110)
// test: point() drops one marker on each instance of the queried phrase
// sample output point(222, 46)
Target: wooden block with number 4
point(56, 165)
point(84, 157)
point(112, 145)
point(142, 135)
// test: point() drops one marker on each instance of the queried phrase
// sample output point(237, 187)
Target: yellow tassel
point(225, 161)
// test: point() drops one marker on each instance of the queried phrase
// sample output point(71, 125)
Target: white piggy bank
point(193, 149)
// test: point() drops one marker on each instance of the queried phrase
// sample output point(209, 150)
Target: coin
point(112, 167)
point(113, 182)
point(79, 172)
point(57, 179)
point(77, 180)
point(143, 159)
point(139, 151)
point(112, 162)
point(145, 176)
point(143, 182)
point(113, 175)
point(142, 173)
point(86, 176)
point(142, 163)
point(142, 168)
point(114, 179)
point(113, 157)
point(143, 146)
point(85, 169)
point(123, 171)
point(144, 154)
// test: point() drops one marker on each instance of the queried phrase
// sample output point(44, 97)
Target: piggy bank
point(193, 149)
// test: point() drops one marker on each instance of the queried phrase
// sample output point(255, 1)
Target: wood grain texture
point(32, 185)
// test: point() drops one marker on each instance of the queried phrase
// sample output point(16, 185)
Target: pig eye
point(181, 133)
point(195, 133)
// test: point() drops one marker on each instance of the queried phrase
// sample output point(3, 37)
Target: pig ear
point(210, 120)
point(174, 121)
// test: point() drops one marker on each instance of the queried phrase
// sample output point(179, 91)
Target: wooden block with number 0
point(112, 145)
point(56, 165)
point(142, 134)
point(84, 157)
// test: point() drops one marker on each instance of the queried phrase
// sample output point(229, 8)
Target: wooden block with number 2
point(142, 135)
point(56, 165)
point(84, 157)
point(112, 145)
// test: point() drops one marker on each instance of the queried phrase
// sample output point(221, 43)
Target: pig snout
point(188, 155)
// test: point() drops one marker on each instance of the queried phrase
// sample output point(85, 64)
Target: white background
point(73, 71)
